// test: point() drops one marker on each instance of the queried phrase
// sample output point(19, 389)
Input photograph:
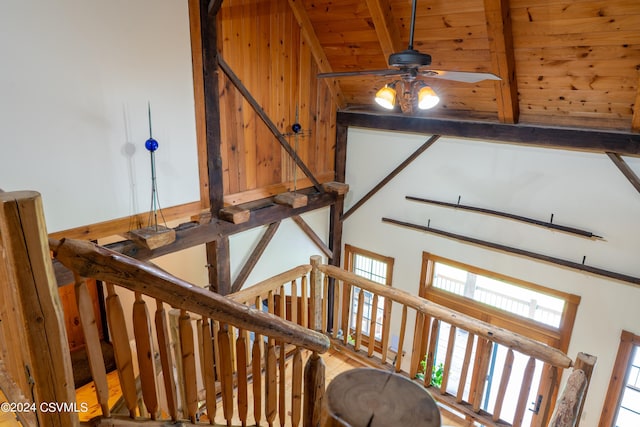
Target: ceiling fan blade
point(459, 76)
point(361, 73)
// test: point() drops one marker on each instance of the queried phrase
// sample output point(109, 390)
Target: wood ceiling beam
point(625, 169)
point(623, 143)
point(317, 51)
point(248, 266)
point(311, 234)
point(428, 143)
point(385, 25)
point(268, 122)
point(635, 119)
point(498, 18)
point(191, 234)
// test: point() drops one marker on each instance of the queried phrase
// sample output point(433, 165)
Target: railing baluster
point(480, 375)
point(146, 359)
point(431, 351)
point(226, 372)
point(296, 388)
point(187, 348)
point(464, 370)
point(208, 372)
point(92, 344)
point(256, 370)
point(416, 352)
point(314, 379)
point(121, 349)
point(337, 296)
point(282, 406)
point(372, 325)
point(164, 348)
point(294, 301)
point(346, 313)
point(504, 382)
point(305, 302)
point(271, 383)
point(403, 328)
point(525, 388)
point(174, 328)
point(216, 349)
point(241, 352)
point(325, 304)
point(359, 316)
point(386, 322)
point(448, 358)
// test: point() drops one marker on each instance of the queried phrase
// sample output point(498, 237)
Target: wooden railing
point(229, 346)
point(463, 391)
point(236, 341)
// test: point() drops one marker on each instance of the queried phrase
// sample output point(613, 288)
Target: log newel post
point(24, 249)
point(314, 370)
point(570, 404)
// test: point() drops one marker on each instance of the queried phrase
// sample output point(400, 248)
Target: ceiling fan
point(409, 65)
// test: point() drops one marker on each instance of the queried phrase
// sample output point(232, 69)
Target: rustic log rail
point(462, 395)
point(228, 357)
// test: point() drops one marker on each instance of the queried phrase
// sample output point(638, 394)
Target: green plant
point(436, 373)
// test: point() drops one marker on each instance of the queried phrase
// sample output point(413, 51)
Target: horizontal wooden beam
point(623, 143)
point(192, 234)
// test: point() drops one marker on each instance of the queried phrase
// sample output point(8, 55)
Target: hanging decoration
point(154, 235)
point(293, 198)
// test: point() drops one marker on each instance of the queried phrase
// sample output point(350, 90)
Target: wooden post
point(25, 249)
point(314, 370)
point(571, 402)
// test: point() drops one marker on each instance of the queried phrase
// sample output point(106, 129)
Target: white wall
point(581, 189)
point(75, 80)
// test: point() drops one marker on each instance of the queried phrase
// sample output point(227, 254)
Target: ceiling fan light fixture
point(386, 97)
point(427, 98)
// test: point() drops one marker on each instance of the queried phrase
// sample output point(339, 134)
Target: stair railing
point(226, 329)
point(431, 324)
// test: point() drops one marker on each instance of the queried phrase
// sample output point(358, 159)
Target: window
point(531, 310)
point(622, 404)
point(376, 268)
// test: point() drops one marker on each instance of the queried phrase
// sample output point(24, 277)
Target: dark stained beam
point(625, 169)
point(193, 234)
point(214, 7)
point(248, 266)
point(218, 257)
point(498, 17)
point(209, 38)
point(623, 143)
point(337, 209)
point(428, 143)
point(267, 121)
point(312, 235)
point(635, 119)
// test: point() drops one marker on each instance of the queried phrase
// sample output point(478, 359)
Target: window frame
point(554, 337)
point(350, 251)
point(628, 341)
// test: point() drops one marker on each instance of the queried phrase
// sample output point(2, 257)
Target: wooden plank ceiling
point(562, 62)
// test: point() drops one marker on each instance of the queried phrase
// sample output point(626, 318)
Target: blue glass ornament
point(296, 127)
point(151, 145)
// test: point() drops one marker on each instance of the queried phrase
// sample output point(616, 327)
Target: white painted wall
point(581, 189)
point(75, 80)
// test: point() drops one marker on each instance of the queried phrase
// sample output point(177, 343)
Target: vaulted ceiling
point(562, 62)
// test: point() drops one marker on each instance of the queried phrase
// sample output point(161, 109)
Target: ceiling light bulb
point(427, 98)
point(386, 97)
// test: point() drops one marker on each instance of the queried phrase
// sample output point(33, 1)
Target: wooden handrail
point(261, 288)
point(90, 260)
point(482, 329)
